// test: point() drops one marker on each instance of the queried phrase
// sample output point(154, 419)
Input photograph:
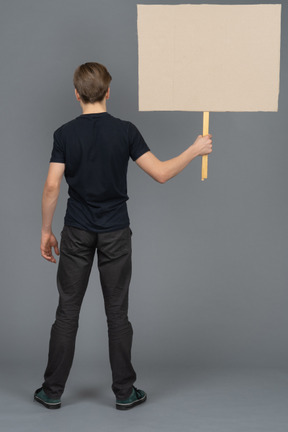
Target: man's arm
point(164, 171)
point(49, 201)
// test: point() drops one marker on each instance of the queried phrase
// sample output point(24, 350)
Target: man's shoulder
point(65, 126)
point(117, 120)
point(124, 126)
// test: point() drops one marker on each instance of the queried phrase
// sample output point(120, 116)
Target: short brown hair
point(92, 81)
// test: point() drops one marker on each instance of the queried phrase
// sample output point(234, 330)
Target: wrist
point(46, 231)
point(194, 151)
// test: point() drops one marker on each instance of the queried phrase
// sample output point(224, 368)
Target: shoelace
point(138, 393)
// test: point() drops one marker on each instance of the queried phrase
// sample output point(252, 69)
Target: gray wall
point(210, 258)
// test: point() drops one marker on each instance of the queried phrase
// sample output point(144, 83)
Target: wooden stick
point(205, 157)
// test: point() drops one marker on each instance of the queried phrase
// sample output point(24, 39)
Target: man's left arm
point(49, 201)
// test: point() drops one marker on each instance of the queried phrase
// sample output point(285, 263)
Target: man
point(93, 151)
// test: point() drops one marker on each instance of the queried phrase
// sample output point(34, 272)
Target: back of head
point(92, 81)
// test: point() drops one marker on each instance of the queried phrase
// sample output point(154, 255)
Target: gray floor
point(179, 399)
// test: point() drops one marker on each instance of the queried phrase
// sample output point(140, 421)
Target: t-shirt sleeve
point(58, 151)
point(137, 144)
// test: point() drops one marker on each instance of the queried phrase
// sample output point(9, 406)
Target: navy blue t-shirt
point(95, 149)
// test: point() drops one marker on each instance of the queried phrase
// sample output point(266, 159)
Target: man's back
point(96, 149)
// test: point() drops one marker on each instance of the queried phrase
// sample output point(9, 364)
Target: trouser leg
point(77, 251)
point(114, 263)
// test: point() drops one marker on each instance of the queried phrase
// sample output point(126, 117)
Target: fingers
point(208, 137)
point(47, 254)
point(209, 143)
point(47, 243)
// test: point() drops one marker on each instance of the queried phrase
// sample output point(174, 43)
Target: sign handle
point(204, 174)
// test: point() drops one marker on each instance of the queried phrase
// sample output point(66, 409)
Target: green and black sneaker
point(41, 397)
point(136, 398)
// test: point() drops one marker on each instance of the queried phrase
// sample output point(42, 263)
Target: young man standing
point(93, 151)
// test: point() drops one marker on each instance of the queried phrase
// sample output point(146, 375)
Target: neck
point(94, 108)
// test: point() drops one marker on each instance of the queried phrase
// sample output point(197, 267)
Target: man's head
point(91, 80)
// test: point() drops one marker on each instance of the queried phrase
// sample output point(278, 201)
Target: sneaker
point(136, 398)
point(41, 397)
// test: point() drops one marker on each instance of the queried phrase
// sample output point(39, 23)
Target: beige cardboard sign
point(209, 57)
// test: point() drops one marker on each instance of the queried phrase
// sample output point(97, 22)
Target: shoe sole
point(124, 407)
point(47, 405)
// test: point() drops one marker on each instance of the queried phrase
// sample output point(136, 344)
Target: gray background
point(209, 286)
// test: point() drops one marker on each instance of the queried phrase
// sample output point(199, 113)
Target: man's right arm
point(162, 171)
point(49, 201)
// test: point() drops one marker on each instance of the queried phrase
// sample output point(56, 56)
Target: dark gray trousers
point(77, 250)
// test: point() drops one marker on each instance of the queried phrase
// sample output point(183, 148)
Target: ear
point(108, 93)
point(77, 96)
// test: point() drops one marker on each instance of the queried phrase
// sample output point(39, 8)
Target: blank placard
point(209, 57)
